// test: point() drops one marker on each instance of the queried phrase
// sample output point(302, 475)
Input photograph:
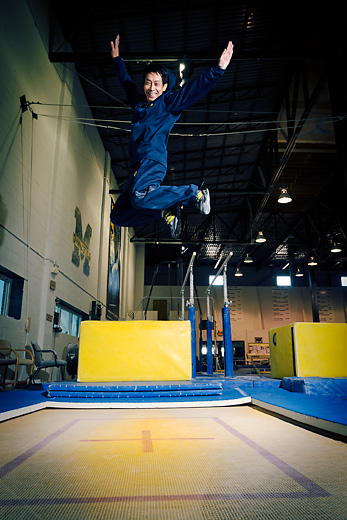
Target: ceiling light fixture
point(312, 261)
point(335, 248)
point(238, 272)
point(284, 196)
point(248, 259)
point(260, 238)
point(299, 273)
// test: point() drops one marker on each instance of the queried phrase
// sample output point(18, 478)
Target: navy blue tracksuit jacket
point(144, 197)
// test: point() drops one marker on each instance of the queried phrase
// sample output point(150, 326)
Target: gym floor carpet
point(198, 463)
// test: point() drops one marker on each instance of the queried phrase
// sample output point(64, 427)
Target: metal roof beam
point(290, 147)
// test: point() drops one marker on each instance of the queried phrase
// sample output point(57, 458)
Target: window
point(68, 319)
point(75, 325)
point(344, 281)
point(65, 320)
point(11, 293)
point(284, 281)
point(5, 290)
point(218, 280)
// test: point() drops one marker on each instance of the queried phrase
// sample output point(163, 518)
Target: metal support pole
point(209, 349)
point(226, 324)
point(191, 287)
point(188, 272)
point(191, 316)
point(209, 337)
point(313, 289)
point(199, 356)
point(219, 270)
point(227, 340)
point(199, 360)
point(182, 303)
point(225, 285)
point(228, 345)
point(191, 309)
point(191, 313)
point(208, 304)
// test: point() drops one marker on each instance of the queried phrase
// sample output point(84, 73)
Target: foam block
point(281, 352)
point(309, 350)
point(134, 351)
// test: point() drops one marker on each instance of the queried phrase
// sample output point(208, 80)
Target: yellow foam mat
point(321, 349)
point(168, 464)
point(134, 351)
point(281, 352)
point(309, 350)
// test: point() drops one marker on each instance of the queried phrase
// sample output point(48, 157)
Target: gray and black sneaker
point(203, 201)
point(172, 217)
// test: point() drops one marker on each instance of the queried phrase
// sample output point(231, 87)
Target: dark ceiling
point(276, 118)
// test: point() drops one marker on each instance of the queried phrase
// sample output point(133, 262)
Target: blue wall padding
point(209, 347)
point(191, 317)
point(323, 386)
point(228, 345)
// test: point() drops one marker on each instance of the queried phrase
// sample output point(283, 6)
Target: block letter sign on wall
point(81, 244)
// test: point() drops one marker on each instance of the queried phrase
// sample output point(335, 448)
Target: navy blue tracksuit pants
point(144, 198)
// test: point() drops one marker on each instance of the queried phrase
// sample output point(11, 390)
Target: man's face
point(153, 86)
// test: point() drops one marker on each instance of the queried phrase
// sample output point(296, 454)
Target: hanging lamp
point(284, 197)
point(260, 238)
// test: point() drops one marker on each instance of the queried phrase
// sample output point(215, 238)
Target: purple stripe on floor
point(13, 464)
point(305, 482)
point(310, 487)
point(153, 498)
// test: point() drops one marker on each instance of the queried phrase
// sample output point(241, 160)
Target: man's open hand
point(226, 55)
point(115, 47)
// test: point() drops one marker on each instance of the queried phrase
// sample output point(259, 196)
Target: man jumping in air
point(144, 199)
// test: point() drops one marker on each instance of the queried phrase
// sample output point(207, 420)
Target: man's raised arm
point(127, 83)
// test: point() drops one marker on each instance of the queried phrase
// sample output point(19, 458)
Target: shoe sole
point(178, 229)
point(206, 202)
point(174, 232)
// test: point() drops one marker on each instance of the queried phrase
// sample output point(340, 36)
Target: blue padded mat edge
point(320, 386)
point(327, 407)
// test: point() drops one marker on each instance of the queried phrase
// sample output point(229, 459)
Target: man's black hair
point(152, 67)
